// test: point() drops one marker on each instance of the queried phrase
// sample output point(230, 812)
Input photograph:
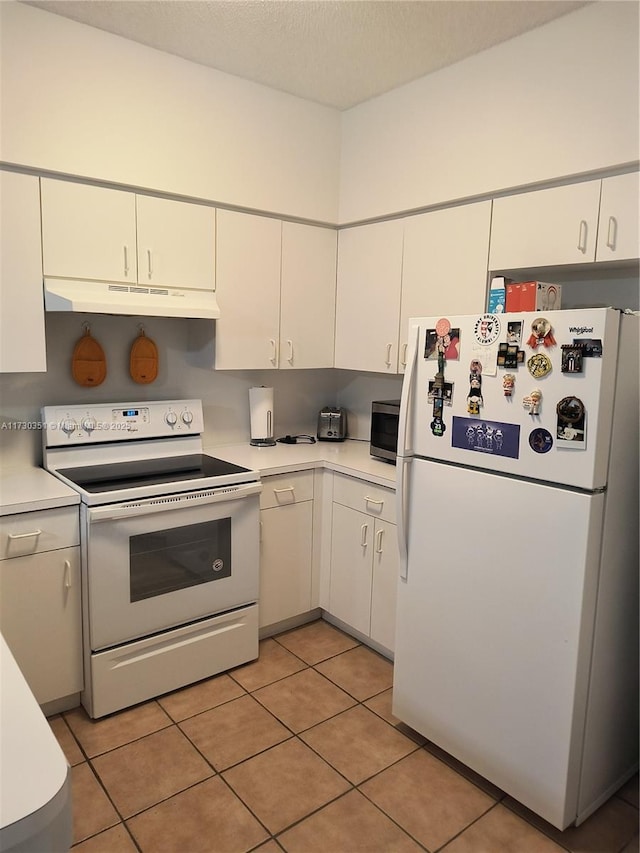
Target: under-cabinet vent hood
point(99, 297)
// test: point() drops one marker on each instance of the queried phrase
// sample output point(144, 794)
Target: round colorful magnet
point(540, 440)
point(487, 329)
point(541, 334)
point(539, 365)
point(443, 327)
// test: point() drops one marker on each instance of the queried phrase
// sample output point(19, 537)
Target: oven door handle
point(146, 506)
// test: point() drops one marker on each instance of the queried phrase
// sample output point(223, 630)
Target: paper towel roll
point(261, 411)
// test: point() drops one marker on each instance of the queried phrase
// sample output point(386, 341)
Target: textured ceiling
point(336, 52)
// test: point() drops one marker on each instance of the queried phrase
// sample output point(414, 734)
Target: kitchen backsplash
point(185, 350)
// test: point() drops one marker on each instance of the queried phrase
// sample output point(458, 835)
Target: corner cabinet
point(40, 600)
point(102, 234)
point(286, 540)
point(276, 291)
point(364, 559)
point(368, 297)
point(22, 328)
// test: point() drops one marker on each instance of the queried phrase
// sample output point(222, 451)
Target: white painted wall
point(84, 102)
point(560, 100)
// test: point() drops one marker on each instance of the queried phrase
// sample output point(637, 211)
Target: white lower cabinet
point(286, 539)
point(40, 602)
point(364, 559)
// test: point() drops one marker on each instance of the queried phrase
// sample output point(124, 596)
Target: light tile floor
point(298, 751)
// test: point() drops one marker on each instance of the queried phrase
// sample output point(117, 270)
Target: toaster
point(332, 424)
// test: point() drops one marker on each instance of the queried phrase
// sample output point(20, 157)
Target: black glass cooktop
point(149, 472)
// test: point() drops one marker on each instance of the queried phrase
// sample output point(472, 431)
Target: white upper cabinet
point(248, 291)
point(100, 234)
point(175, 243)
point(368, 297)
point(22, 335)
point(444, 265)
point(88, 232)
point(545, 228)
point(619, 229)
point(276, 291)
point(308, 296)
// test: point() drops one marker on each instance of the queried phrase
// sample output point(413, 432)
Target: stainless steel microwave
point(385, 415)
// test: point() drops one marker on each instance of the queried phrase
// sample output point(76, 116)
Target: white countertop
point(347, 457)
point(28, 489)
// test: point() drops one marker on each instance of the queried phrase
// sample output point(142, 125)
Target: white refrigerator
point(517, 482)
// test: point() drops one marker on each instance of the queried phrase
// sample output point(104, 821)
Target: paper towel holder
point(261, 411)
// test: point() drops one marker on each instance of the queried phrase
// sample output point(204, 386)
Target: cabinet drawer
point(365, 497)
point(34, 532)
point(283, 489)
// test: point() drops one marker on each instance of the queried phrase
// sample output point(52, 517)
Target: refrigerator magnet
point(572, 358)
point(532, 402)
point(539, 365)
point(487, 329)
point(508, 384)
point(541, 334)
point(540, 440)
point(570, 429)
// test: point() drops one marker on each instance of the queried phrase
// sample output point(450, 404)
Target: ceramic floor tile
point(97, 736)
point(303, 699)
point(487, 786)
point(143, 773)
point(428, 799)
point(200, 697)
point(360, 671)
point(629, 791)
point(269, 847)
point(234, 731)
point(350, 825)
point(285, 784)
point(317, 641)
point(68, 743)
point(606, 831)
point(207, 818)
point(92, 811)
point(358, 743)
point(114, 840)
point(381, 705)
point(274, 663)
point(501, 831)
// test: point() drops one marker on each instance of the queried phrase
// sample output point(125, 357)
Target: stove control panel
point(78, 424)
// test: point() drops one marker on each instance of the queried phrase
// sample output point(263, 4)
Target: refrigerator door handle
point(402, 460)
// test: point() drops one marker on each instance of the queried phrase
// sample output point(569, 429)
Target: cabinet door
point(307, 296)
point(22, 332)
point(285, 562)
point(41, 620)
point(248, 290)
point(545, 228)
point(352, 544)
point(385, 584)
point(176, 243)
point(619, 229)
point(88, 232)
point(368, 297)
point(444, 265)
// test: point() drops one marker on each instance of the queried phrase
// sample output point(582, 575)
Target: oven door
point(155, 563)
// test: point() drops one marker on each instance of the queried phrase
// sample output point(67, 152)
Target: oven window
point(169, 560)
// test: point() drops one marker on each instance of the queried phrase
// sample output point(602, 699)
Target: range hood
point(103, 297)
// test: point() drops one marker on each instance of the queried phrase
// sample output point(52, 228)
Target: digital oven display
point(130, 413)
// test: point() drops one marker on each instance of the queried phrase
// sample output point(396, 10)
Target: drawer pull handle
point(369, 500)
point(379, 541)
point(284, 489)
point(33, 534)
point(363, 535)
point(67, 574)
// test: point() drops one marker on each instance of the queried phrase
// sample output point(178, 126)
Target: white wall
point(559, 100)
point(84, 102)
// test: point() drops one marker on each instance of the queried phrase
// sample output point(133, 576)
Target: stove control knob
point(68, 425)
point(187, 417)
point(171, 418)
point(88, 424)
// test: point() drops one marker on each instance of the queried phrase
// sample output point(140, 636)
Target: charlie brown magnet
point(541, 334)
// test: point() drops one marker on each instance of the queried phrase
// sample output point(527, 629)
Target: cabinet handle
point(363, 535)
point(612, 233)
point(149, 264)
point(274, 351)
point(369, 500)
point(290, 356)
point(67, 574)
point(126, 261)
point(260, 532)
point(33, 533)
point(403, 360)
point(582, 236)
point(286, 489)
point(379, 541)
point(388, 358)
